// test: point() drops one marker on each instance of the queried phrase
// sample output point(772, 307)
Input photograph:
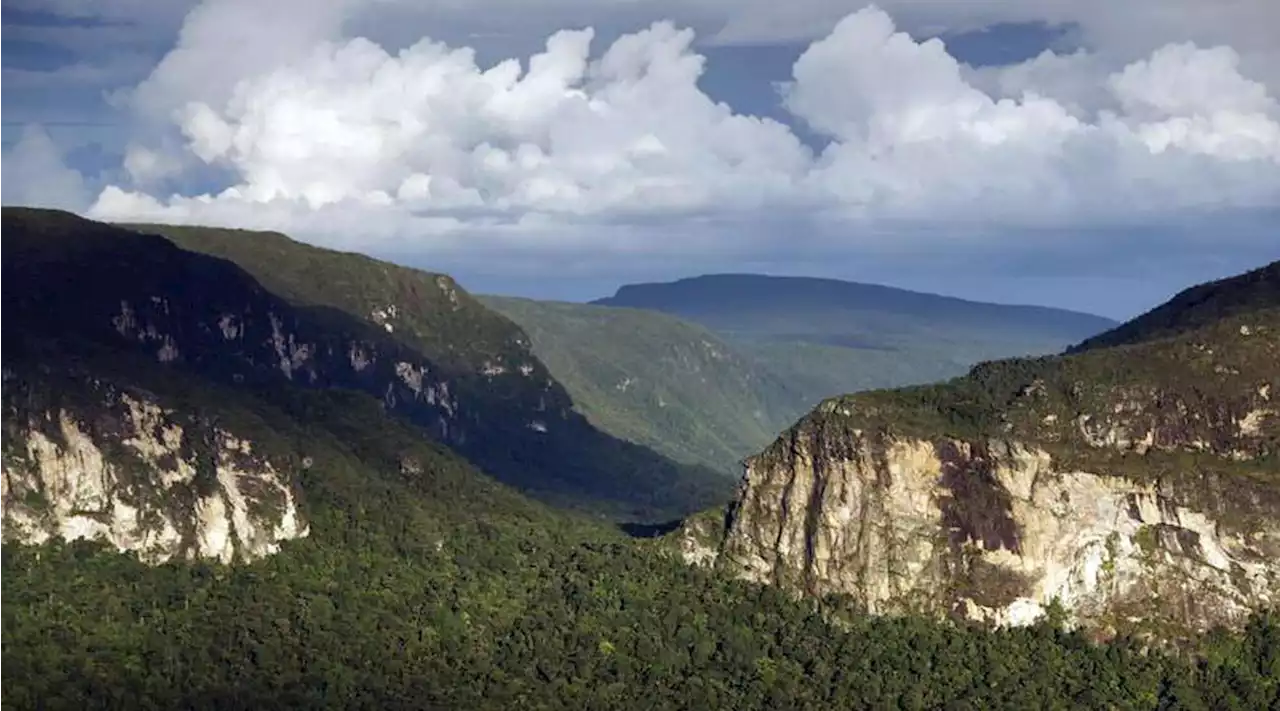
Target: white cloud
point(430, 129)
point(36, 175)
point(329, 135)
point(915, 140)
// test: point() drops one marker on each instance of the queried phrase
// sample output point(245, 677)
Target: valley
point(241, 471)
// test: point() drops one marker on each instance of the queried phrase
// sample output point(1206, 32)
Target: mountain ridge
point(629, 292)
point(486, 396)
point(1196, 305)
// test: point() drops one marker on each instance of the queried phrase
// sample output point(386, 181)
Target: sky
point(1085, 154)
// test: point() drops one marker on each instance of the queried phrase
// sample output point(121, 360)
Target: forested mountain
point(415, 340)
point(824, 337)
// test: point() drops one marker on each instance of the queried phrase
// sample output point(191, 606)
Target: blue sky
point(1071, 154)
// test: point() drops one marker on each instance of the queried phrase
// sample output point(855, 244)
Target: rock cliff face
point(1137, 486)
point(118, 467)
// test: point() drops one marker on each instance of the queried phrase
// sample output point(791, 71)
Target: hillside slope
point(429, 352)
point(1197, 306)
point(656, 380)
point(162, 403)
point(824, 336)
point(1138, 485)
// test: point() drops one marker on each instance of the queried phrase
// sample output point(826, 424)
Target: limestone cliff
point(119, 467)
point(1138, 486)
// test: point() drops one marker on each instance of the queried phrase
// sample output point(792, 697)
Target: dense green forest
point(496, 620)
point(432, 587)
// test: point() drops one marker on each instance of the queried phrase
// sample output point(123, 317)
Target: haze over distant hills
point(825, 336)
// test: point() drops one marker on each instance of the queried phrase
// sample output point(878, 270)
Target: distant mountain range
point(707, 370)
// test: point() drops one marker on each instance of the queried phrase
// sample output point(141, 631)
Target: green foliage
point(497, 619)
point(656, 380)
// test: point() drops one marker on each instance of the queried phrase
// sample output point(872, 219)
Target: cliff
point(86, 459)
point(163, 402)
point(1137, 485)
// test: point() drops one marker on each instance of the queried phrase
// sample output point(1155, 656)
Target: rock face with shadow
point(1135, 482)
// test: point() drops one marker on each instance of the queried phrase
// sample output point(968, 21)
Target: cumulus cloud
point(914, 139)
point(429, 130)
point(330, 135)
point(36, 174)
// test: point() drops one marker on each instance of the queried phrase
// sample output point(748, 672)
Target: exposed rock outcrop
point(120, 468)
point(992, 531)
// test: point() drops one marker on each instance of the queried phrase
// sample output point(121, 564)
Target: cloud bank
point(619, 150)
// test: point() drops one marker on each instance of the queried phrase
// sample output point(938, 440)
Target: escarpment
point(115, 465)
point(1137, 486)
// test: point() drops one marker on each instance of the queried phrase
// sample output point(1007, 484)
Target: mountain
point(823, 336)
point(163, 403)
point(257, 310)
point(657, 380)
point(440, 359)
point(1138, 485)
point(268, 528)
